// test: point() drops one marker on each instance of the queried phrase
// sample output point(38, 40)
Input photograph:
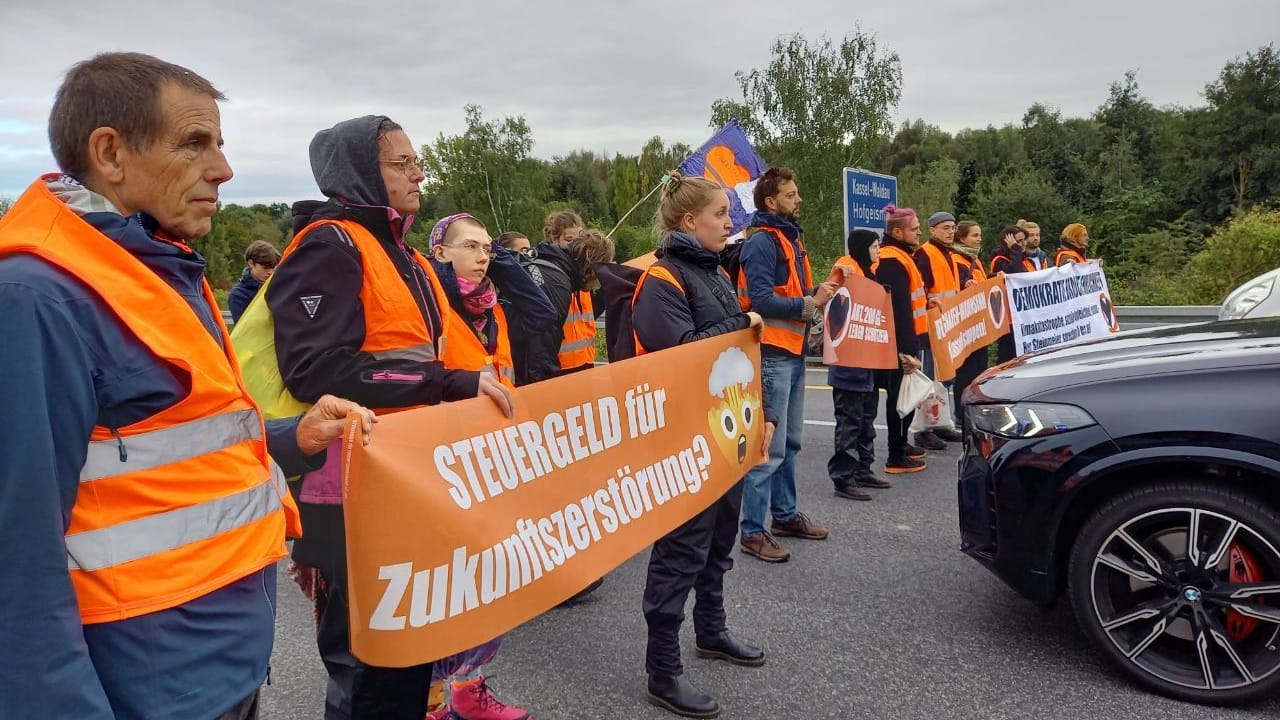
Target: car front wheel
point(1178, 584)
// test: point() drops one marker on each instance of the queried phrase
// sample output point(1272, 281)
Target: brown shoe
point(800, 526)
point(763, 546)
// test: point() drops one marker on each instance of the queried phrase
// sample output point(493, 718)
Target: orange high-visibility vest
point(186, 501)
point(466, 352)
point(919, 315)
point(578, 347)
point(973, 264)
point(1067, 255)
point(394, 327)
point(846, 261)
point(661, 273)
point(784, 333)
point(1027, 263)
point(946, 278)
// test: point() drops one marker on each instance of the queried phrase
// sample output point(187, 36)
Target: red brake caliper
point(1242, 568)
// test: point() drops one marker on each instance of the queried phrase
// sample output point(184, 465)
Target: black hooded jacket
point(664, 317)
point(555, 271)
point(318, 340)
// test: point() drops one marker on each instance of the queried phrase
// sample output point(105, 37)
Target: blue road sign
point(865, 196)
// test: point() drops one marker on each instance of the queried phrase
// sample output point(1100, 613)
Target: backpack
point(254, 341)
point(618, 284)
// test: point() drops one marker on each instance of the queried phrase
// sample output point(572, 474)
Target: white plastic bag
point(915, 387)
point(934, 411)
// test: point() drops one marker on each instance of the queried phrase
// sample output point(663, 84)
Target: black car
point(1140, 476)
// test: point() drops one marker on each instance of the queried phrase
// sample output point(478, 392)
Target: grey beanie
point(941, 217)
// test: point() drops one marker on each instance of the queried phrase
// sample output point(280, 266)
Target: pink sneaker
point(473, 700)
point(443, 713)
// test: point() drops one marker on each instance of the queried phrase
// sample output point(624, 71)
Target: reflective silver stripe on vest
point(943, 294)
point(578, 345)
point(919, 313)
point(917, 294)
point(154, 534)
point(278, 479)
point(509, 374)
point(788, 325)
point(421, 353)
point(169, 445)
point(574, 318)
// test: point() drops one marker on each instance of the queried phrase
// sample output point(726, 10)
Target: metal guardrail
point(1132, 317)
point(1135, 317)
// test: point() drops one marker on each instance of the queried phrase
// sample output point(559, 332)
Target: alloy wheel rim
point(1162, 592)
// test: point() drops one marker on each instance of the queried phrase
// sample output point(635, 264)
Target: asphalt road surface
point(886, 619)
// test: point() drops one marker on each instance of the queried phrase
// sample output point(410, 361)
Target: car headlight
point(1027, 420)
point(1246, 299)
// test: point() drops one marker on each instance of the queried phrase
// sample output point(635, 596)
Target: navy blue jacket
point(764, 268)
point(242, 294)
point(66, 365)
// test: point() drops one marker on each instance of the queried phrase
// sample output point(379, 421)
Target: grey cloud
point(603, 76)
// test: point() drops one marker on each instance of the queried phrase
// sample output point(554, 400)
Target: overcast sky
point(605, 76)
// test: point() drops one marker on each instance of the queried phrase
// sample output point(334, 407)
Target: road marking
point(830, 423)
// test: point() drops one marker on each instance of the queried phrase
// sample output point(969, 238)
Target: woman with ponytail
point(685, 297)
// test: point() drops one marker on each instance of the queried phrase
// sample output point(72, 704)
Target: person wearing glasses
point(476, 273)
point(357, 308)
point(260, 261)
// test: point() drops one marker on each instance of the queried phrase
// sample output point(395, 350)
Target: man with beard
point(776, 282)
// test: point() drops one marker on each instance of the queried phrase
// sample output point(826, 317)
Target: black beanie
point(859, 245)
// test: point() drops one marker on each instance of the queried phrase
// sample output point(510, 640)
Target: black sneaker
point(947, 434)
point(871, 481)
point(904, 465)
point(927, 440)
point(914, 452)
point(851, 492)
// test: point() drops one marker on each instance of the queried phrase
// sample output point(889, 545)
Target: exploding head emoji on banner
point(736, 414)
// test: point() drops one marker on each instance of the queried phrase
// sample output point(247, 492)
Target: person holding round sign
point(853, 393)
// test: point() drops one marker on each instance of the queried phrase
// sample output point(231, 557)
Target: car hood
point(1137, 353)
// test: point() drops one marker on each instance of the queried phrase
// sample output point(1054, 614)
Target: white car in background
point(1256, 298)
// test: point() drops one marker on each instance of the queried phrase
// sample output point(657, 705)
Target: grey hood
point(344, 161)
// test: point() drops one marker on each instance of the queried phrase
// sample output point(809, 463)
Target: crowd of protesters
point(357, 317)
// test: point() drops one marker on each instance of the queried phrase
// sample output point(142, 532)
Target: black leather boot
point(680, 697)
point(725, 647)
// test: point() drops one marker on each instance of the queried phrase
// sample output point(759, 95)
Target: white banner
point(1060, 306)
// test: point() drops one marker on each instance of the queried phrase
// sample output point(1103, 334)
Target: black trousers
point(1006, 350)
point(898, 425)
point(694, 556)
point(357, 691)
point(855, 436)
point(968, 371)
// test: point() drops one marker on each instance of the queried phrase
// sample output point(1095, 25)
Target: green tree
point(1244, 248)
point(5, 203)
point(581, 179)
point(1018, 194)
point(819, 107)
point(1238, 148)
point(488, 171)
point(930, 187)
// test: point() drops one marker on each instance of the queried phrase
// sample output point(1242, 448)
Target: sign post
point(865, 196)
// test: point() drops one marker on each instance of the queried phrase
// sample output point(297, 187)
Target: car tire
point(1164, 609)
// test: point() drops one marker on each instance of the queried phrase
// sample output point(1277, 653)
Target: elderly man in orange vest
point(141, 494)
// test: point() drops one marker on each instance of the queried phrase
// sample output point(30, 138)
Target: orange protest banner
point(859, 327)
point(971, 320)
point(462, 524)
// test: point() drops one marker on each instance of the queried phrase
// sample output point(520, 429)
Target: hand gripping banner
point(462, 524)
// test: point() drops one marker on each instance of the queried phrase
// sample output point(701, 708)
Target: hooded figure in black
point(367, 169)
point(694, 221)
point(854, 395)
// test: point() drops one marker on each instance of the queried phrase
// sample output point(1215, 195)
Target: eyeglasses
point(476, 248)
point(403, 163)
